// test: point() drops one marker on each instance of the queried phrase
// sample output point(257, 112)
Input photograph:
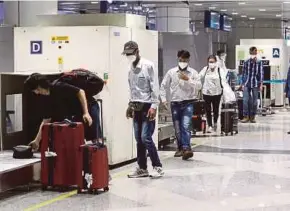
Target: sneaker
point(138, 173)
point(253, 120)
point(215, 127)
point(157, 172)
point(187, 154)
point(209, 130)
point(245, 120)
point(178, 153)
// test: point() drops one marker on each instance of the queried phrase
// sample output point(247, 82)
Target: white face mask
point(182, 65)
point(131, 59)
point(253, 56)
point(212, 65)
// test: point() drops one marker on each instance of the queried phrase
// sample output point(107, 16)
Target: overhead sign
point(276, 53)
point(36, 47)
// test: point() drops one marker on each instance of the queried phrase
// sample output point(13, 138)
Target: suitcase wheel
point(232, 133)
point(226, 134)
point(80, 190)
point(106, 189)
point(94, 192)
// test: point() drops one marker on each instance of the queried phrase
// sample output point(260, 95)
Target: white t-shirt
point(211, 81)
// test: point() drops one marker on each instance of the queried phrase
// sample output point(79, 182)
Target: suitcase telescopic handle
point(100, 101)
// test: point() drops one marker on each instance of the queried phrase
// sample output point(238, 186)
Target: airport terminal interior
point(240, 163)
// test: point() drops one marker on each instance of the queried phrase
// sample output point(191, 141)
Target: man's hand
point(261, 88)
point(151, 114)
point(88, 119)
point(129, 113)
point(183, 76)
point(34, 145)
point(241, 88)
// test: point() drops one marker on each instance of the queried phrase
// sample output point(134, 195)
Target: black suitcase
point(229, 119)
point(240, 108)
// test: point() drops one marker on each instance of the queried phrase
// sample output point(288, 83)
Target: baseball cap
point(130, 47)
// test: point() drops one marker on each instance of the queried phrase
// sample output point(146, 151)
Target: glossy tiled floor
point(247, 172)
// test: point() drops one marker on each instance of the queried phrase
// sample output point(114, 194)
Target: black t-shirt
point(63, 102)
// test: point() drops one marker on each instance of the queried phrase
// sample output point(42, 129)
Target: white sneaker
point(209, 130)
point(157, 173)
point(138, 173)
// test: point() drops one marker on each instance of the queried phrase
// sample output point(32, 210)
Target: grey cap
point(130, 47)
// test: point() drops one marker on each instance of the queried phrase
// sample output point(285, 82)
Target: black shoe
point(178, 153)
point(187, 154)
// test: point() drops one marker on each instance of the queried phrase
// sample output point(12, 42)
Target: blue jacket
point(287, 86)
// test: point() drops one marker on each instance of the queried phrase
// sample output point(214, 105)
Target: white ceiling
point(259, 9)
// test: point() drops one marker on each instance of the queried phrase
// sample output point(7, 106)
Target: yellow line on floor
point(74, 192)
point(51, 201)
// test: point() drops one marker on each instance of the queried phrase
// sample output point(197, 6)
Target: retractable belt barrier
point(282, 81)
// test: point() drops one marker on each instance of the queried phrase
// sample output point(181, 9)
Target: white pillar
point(172, 19)
point(24, 13)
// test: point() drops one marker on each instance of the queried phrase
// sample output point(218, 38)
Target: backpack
point(83, 79)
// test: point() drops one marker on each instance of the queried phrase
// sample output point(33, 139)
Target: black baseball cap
point(130, 47)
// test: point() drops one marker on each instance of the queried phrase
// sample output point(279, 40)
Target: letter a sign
point(35, 47)
point(276, 53)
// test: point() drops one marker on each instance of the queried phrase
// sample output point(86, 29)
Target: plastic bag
point(228, 94)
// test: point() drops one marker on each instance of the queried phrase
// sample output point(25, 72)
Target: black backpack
point(83, 79)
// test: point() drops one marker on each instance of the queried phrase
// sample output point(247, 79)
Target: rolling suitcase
point(59, 153)
point(228, 119)
point(198, 124)
point(93, 166)
point(199, 107)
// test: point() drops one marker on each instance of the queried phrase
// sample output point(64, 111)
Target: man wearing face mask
point(183, 83)
point(252, 83)
point(144, 101)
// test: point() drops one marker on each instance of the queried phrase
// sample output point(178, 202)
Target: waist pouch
point(136, 106)
point(22, 152)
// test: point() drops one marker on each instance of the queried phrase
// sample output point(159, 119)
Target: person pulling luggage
point(65, 101)
point(252, 84)
point(183, 82)
point(212, 77)
point(144, 92)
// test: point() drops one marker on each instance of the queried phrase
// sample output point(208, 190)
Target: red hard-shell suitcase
point(93, 167)
point(59, 153)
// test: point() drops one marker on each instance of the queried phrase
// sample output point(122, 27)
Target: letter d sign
point(35, 47)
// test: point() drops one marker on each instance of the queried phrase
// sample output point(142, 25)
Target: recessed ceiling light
point(278, 15)
point(212, 8)
point(94, 2)
point(252, 18)
point(262, 10)
point(224, 10)
point(242, 3)
point(243, 16)
point(235, 13)
point(198, 4)
point(286, 2)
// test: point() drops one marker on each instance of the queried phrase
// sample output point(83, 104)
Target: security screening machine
point(21, 128)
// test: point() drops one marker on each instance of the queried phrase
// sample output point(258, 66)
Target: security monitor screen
point(226, 23)
point(212, 20)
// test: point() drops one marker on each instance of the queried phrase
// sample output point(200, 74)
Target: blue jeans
point(94, 131)
point(143, 130)
point(250, 101)
point(182, 116)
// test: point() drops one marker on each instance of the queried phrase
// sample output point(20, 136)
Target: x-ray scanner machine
point(96, 48)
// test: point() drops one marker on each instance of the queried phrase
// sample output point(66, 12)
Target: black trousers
point(212, 103)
